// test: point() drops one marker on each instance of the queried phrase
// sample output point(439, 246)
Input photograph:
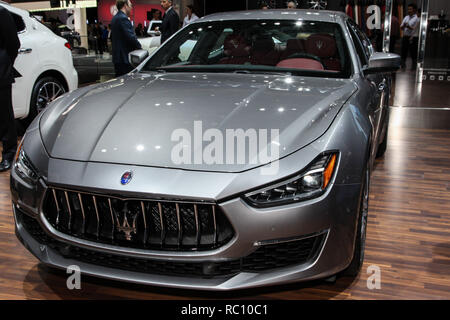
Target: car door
point(376, 83)
point(26, 59)
point(381, 80)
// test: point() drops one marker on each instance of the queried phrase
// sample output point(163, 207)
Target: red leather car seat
point(301, 63)
point(324, 46)
point(293, 46)
point(236, 50)
point(264, 53)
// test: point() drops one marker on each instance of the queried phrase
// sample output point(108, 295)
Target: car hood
point(140, 119)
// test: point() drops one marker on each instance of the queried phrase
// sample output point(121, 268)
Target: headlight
point(23, 166)
point(311, 183)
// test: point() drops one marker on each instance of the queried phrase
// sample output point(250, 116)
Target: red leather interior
point(301, 63)
point(293, 46)
point(324, 46)
point(264, 53)
point(321, 45)
point(236, 50)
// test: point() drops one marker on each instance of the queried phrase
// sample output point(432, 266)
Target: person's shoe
point(5, 165)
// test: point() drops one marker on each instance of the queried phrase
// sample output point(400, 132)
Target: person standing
point(291, 5)
point(395, 33)
point(139, 30)
point(123, 38)
point(98, 31)
point(410, 40)
point(190, 15)
point(170, 22)
point(9, 46)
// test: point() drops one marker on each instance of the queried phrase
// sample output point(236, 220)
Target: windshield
point(283, 46)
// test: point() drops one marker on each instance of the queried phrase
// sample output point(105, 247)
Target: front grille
point(265, 258)
point(141, 224)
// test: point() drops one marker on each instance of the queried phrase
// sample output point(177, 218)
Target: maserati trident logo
point(125, 226)
point(126, 177)
point(319, 44)
point(126, 223)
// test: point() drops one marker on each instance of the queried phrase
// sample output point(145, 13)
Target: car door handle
point(25, 50)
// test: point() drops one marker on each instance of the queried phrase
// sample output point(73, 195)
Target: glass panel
point(257, 45)
point(20, 25)
point(434, 51)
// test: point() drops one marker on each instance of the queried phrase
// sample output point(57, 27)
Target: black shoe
point(5, 165)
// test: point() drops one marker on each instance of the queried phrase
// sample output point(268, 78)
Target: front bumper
point(333, 215)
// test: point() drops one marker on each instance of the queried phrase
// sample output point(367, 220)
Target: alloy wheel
point(48, 92)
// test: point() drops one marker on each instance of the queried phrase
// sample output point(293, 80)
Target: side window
point(20, 24)
point(363, 54)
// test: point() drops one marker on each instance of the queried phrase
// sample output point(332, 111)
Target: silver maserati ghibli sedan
point(236, 155)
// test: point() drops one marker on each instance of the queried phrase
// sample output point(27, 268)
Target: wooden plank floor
point(408, 237)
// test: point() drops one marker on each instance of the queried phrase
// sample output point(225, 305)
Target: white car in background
point(153, 40)
point(45, 63)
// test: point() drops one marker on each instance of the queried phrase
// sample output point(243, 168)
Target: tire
point(383, 145)
point(360, 241)
point(45, 90)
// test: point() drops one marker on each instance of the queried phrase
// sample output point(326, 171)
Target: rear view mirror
point(137, 56)
point(380, 62)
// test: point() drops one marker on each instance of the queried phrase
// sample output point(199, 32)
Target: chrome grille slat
point(112, 217)
point(83, 214)
point(162, 222)
point(197, 229)
point(180, 234)
point(68, 208)
point(97, 215)
point(137, 223)
point(58, 210)
point(215, 223)
point(145, 221)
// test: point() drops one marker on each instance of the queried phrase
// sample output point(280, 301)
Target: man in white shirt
point(410, 40)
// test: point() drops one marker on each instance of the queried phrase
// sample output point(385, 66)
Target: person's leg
point(8, 131)
point(392, 44)
point(100, 45)
point(404, 54)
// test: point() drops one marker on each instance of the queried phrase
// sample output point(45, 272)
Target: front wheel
point(360, 242)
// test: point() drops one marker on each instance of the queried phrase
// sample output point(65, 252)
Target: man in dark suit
point(123, 38)
point(9, 46)
point(170, 22)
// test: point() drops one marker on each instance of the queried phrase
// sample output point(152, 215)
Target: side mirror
point(137, 56)
point(381, 62)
